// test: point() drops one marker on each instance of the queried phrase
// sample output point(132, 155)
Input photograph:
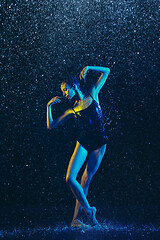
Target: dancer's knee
point(69, 180)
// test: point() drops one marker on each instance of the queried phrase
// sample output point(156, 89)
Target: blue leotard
point(91, 128)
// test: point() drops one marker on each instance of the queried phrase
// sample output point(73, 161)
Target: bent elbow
point(108, 70)
point(49, 126)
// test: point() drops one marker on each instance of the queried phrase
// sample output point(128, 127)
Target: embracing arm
point(102, 79)
point(51, 123)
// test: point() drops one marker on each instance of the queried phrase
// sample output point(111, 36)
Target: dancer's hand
point(83, 73)
point(54, 101)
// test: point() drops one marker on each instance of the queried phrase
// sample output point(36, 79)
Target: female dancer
point(91, 140)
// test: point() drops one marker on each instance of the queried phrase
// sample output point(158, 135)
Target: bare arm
point(102, 79)
point(51, 123)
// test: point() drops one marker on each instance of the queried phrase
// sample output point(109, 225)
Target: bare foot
point(92, 216)
point(77, 223)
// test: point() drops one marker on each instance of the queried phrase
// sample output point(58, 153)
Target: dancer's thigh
point(77, 159)
point(94, 160)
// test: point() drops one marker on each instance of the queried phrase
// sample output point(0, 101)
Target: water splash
point(105, 229)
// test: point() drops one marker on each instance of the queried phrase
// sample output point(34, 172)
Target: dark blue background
point(42, 42)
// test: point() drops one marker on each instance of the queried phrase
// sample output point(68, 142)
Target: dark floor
point(35, 223)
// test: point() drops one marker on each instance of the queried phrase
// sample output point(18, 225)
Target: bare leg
point(94, 161)
point(75, 164)
point(85, 180)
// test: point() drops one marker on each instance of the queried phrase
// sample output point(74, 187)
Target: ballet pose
point(91, 140)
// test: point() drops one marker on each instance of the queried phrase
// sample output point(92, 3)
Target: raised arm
point(51, 123)
point(102, 79)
